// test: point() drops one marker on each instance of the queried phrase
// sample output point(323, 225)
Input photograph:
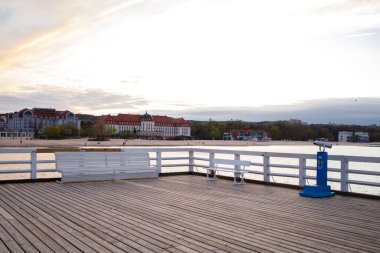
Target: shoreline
point(83, 142)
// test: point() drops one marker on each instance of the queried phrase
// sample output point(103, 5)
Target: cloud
point(94, 101)
point(364, 111)
point(4, 14)
point(127, 56)
point(360, 34)
point(41, 28)
point(347, 6)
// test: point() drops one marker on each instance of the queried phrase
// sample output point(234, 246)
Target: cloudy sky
point(316, 60)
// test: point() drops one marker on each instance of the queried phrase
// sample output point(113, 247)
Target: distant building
point(249, 135)
point(361, 137)
point(295, 122)
point(345, 136)
point(148, 126)
point(227, 136)
point(3, 122)
point(36, 119)
point(353, 137)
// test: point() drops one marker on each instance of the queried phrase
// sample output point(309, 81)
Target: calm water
point(309, 149)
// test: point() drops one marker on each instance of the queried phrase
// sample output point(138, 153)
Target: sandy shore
point(9, 142)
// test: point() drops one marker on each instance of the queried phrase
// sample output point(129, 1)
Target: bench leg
point(211, 172)
point(239, 178)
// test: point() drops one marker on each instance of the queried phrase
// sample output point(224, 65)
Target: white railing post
point(191, 161)
point(237, 158)
point(33, 165)
point(237, 175)
point(158, 161)
point(211, 157)
point(301, 171)
point(211, 164)
point(266, 170)
point(344, 175)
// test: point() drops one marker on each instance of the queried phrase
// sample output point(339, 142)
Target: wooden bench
point(238, 167)
point(88, 166)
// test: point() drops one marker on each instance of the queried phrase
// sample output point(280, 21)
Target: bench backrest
point(102, 161)
point(217, 161)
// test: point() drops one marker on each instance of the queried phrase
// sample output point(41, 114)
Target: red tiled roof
point(21, 113)
point(134, 118)
point(39, 113)
point(45, 113)
point(128, 117)
point(169, 120)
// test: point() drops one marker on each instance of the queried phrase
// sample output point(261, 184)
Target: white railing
point(269, 167)
point(32, 162)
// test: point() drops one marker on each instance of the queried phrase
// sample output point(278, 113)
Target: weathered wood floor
point(181, 214)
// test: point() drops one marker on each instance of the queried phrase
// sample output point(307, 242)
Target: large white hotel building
point(149, 126)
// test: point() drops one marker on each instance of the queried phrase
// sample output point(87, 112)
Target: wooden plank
point(182, 203)
point(53, 150)
point(138, 222)
point(88, 217)
point(3, 248)
point(153, 234)
point(11, 224)
point(102, 243)
point(274, 204)
point(188, 214)
point(83, 220)
point(9, 242)
point(77, 240)
point(18, 237)
point(37, 228)
point(59, 237)
point(101, 149)
point(220, 242)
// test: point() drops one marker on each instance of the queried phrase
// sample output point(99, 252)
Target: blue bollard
point(321, 189)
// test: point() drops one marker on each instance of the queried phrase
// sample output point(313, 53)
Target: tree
point(72, 130)
point(280, 129)
point(52, 132)
point(99, 129)
point(110, 131)
point(375, 136)
point(276, 132)
point(60, 132)
point(86, 128)
point(213, 130)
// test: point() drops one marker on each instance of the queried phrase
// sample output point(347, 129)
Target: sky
point(315, 60)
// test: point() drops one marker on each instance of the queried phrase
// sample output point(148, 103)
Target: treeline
point(280, 130)
point(59, 132)
point(89, 128)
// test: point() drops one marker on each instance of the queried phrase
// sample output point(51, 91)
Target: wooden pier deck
point(181, 214)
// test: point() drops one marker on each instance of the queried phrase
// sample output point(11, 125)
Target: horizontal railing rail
point(262, 164)
point(32, 162)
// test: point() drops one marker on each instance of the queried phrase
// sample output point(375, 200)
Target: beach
point(84, 142)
